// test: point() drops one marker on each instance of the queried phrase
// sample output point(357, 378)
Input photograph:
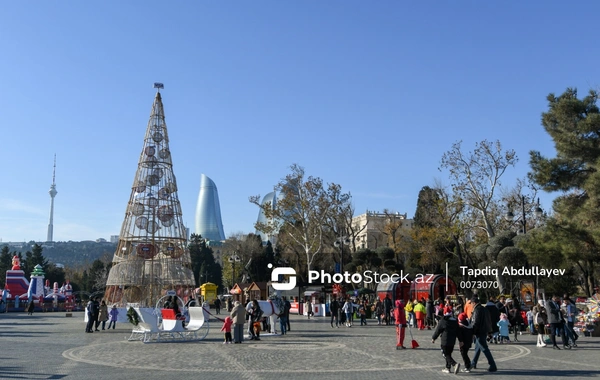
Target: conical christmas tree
point(151, 257)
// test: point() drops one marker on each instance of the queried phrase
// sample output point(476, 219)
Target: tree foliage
point(574, 126)
point(302, 209)
point(204, 266)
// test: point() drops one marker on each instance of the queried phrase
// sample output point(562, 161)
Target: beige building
point(380, 229)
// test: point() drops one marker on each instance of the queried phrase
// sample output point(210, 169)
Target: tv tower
point(52, 193)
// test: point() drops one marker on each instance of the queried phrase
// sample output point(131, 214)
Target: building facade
point(380, 229)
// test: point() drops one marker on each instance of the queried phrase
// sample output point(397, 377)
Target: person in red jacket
point(400, 321)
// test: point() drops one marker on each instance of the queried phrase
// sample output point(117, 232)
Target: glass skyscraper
point(208, 211)
point(262, 218)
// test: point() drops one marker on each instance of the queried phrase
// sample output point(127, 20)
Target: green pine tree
point(574, 126)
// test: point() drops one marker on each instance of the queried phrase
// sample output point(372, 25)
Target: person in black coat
point(333, 309)
point(387, 307)
point(482, 325)
point(448, 329)
point(286, 311)
point(494, 318)
point(218, 305)
point(96, 308)
point(430, 314)
point(465, 339)
point(514, 316)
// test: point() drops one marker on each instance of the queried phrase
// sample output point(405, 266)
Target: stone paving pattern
point(52, 346)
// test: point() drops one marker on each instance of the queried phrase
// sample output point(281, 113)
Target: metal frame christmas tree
point(151, 257)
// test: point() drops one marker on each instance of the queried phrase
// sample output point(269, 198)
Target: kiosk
point(208, 291)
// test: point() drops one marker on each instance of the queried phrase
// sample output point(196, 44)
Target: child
point(227, 329)
point(362, 314)
point(529, 316)
point(448, 329)
point(465, 339)
point(113, 313)
point(503, 324)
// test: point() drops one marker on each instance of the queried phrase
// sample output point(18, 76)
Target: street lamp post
point(339, 243)
point(233, 259)
point(523, 220)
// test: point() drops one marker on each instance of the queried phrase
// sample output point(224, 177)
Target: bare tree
point(476, 176)
point(301, 209)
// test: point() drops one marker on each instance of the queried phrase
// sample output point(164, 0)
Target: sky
point(368, 95)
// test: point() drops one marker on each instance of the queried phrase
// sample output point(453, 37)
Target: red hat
point(447, 310)
point(462, 317)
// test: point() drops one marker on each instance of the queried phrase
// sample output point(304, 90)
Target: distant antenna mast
point(52, 193)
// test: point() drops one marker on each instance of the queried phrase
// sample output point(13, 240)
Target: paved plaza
point(52, 346)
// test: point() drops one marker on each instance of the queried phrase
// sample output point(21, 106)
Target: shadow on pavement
point(546, 372)
point(21, 373)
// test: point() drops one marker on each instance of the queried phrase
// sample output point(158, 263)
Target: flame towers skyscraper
point(208, 211)
point(52, 193)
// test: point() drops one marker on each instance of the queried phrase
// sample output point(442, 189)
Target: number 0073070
point(479, 284)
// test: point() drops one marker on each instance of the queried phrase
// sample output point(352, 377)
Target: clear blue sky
point(367, 94)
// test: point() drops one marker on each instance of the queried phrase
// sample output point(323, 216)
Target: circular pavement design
point(269, 356)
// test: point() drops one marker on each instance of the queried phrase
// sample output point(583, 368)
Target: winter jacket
point(257, 315)
point(469, 308)
point(89, 308)
point(399, 316)
point(387, 304)
point(334, 306)
point(114, 312)
point(348, 307)
point(503, 325)
point(430, 309)
point(494, 315)
point(482, 324)
point(420, 308)
point(465, 335)
point(448, 329)
point(103, 316)
point(238, 314)
point(554, 314)
point(227, 325)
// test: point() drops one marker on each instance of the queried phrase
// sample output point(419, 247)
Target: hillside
point(70, 254)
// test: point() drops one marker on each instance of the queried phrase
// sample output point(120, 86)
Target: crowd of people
point(471, 323)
